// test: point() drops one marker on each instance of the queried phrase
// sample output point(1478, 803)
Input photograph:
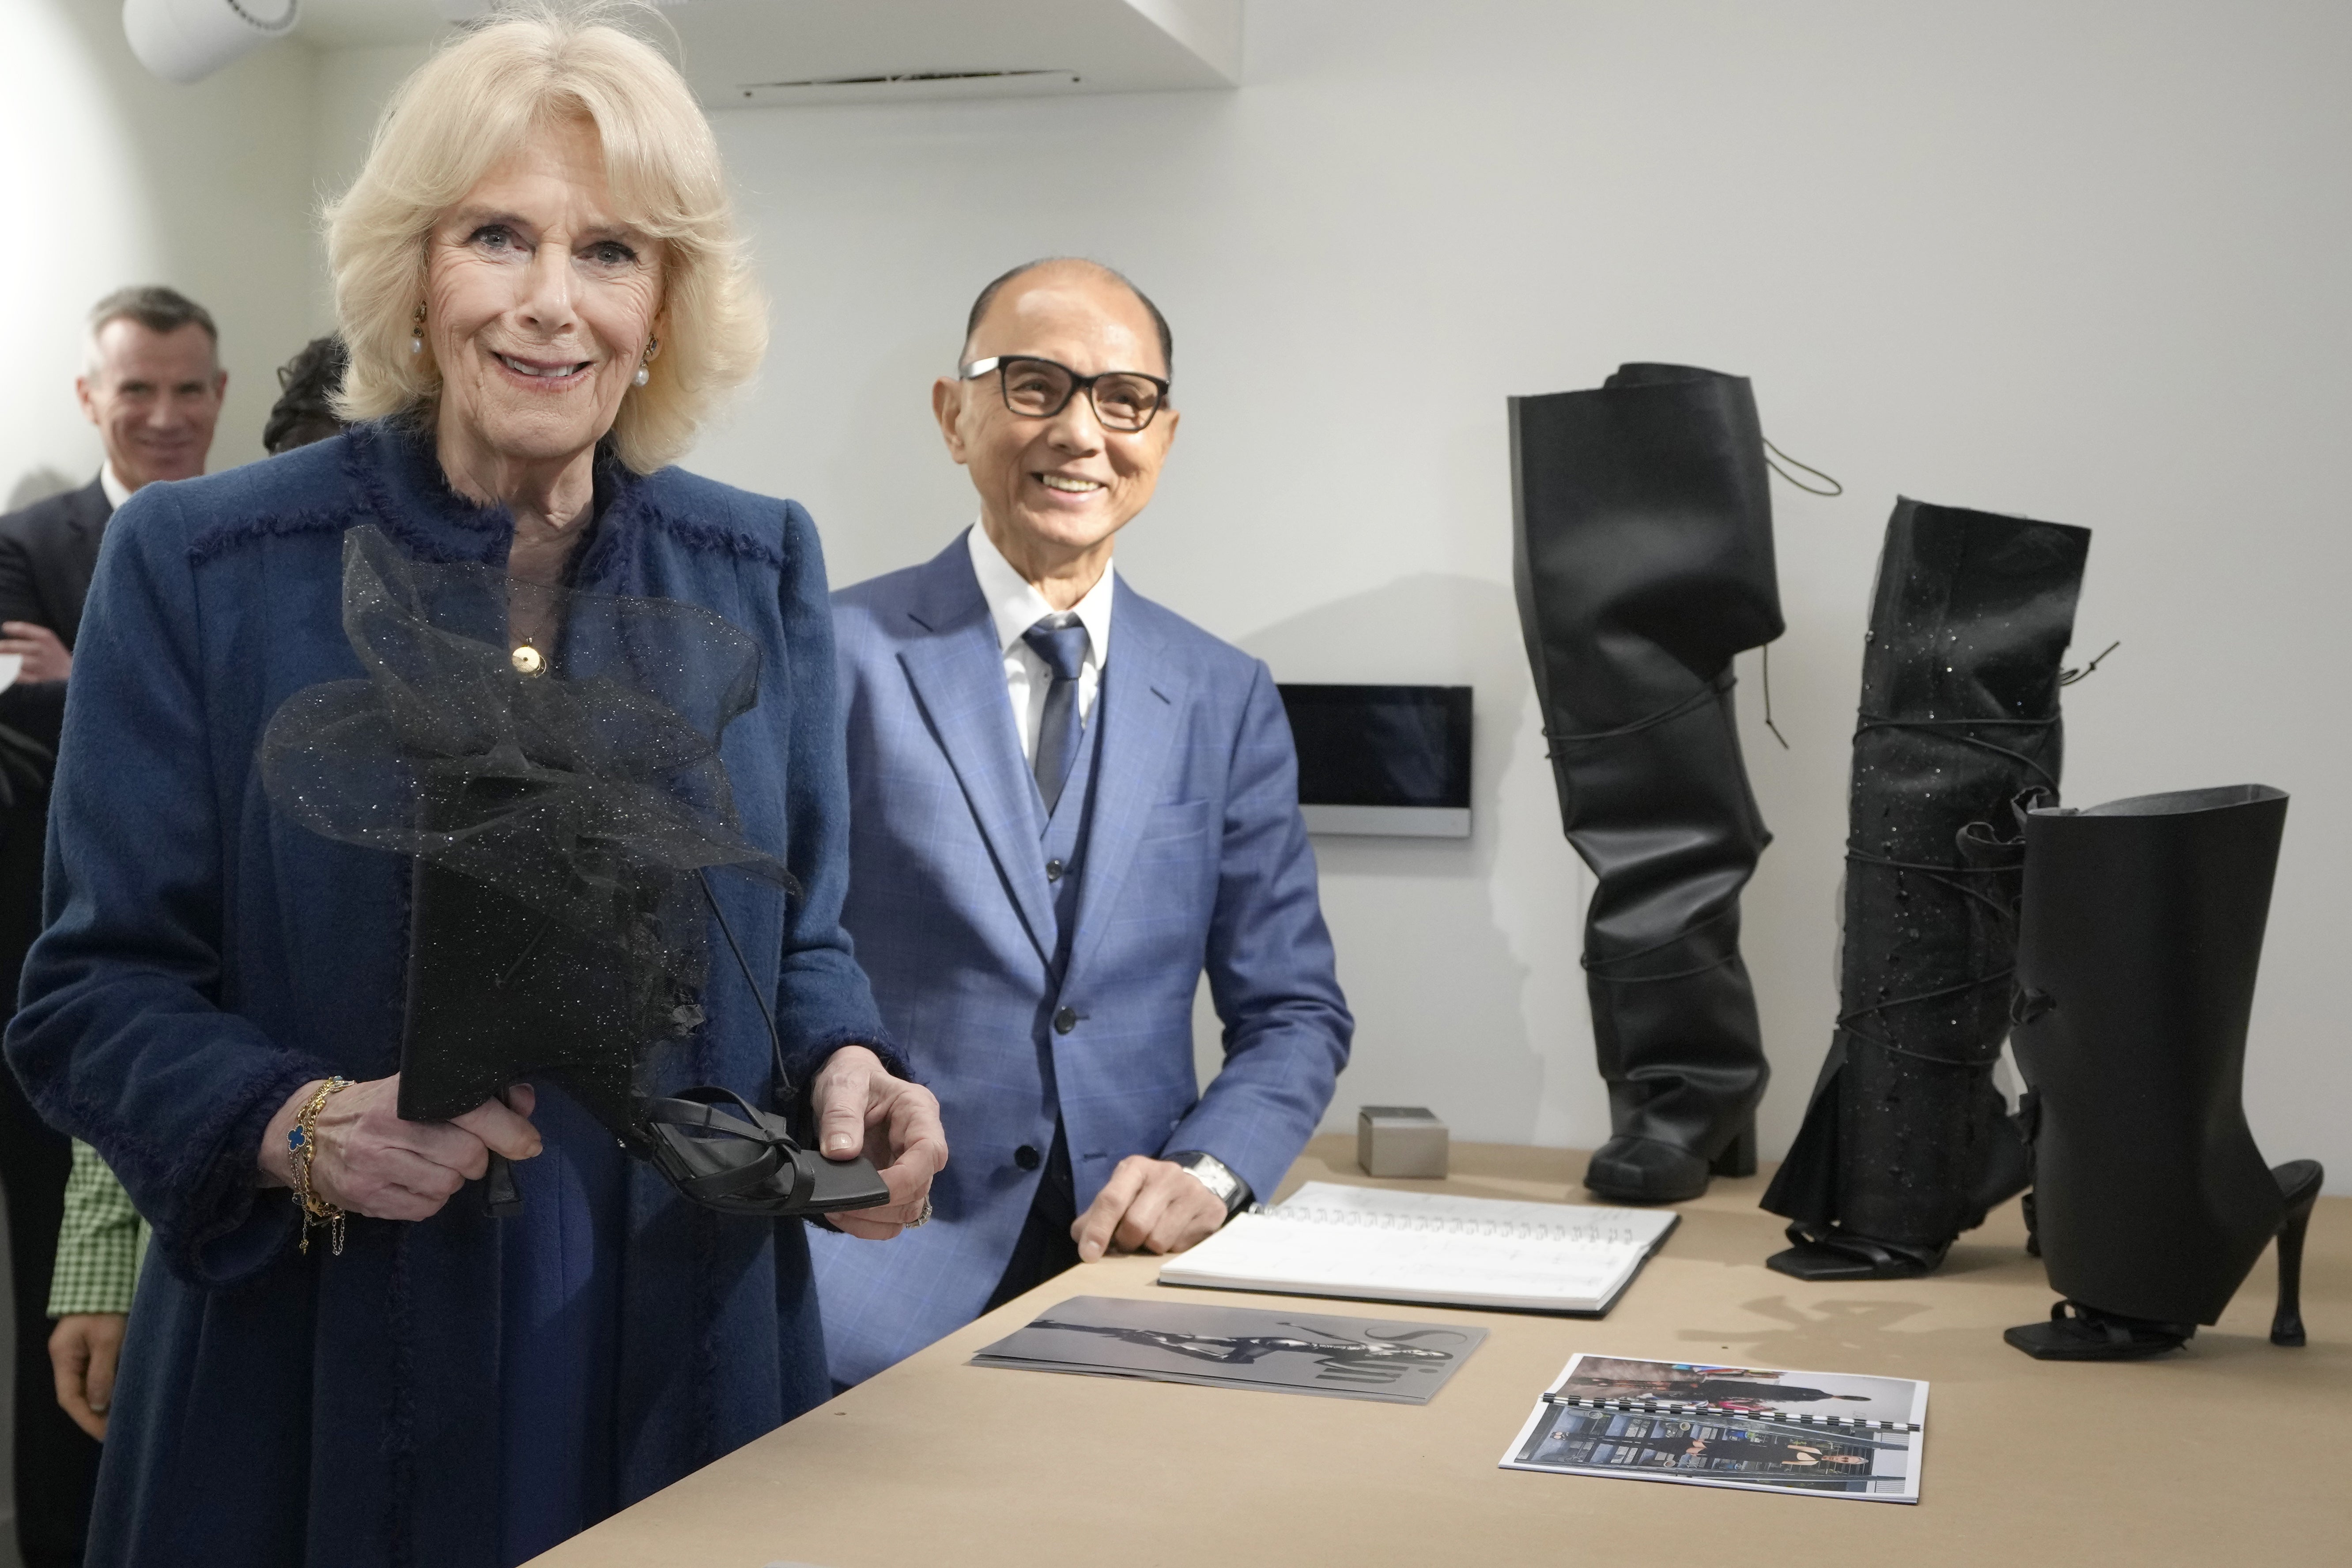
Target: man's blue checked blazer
point(1196, 860)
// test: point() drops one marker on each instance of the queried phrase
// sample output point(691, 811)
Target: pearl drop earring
point(417, 332)
point(642, 375)
point(645, 375)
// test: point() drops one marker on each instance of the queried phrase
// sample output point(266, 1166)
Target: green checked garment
point(101, 1243)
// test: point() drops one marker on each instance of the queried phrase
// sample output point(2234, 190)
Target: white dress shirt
point(1016, 605)
point(117, 492)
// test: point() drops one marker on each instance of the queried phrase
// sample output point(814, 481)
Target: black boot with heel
point(1908, 1143)
point(2140, 933)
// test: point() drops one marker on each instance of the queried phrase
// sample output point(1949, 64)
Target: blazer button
point(1052, 870)
point(1066, 1020)
point(1027, 1157)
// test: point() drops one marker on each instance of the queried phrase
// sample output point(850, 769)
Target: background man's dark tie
point(1064, 649)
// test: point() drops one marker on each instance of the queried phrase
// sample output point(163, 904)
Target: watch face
point(1211, 1174)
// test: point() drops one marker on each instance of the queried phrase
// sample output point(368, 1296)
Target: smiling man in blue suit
point(1067, 803)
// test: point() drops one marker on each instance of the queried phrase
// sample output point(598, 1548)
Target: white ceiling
point(741, 53)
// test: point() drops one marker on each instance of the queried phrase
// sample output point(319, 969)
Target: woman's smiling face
point(540, 303)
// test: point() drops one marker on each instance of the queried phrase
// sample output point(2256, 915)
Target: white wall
point(2081, 261)
point(2076, 260)
point(353, 86)
point(110, 177)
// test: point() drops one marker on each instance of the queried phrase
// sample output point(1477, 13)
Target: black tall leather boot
point(1643, 561)
point(2142, 930)
point(1906, 1143)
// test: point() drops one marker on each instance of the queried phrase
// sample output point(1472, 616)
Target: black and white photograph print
point(1243, 1347)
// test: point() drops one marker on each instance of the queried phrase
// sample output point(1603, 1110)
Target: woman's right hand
point(370, 1161)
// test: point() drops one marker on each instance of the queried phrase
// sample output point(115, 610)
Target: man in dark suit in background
point(151, 382)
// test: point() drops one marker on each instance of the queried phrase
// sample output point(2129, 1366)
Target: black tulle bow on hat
point(565, 799)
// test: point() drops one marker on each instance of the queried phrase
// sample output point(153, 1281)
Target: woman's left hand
point(370, 1161)
point(862, 1109)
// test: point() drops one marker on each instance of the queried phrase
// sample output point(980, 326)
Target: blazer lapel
point(76, 562)
point(91, 508)
point(956, 672)
point(1141, 709)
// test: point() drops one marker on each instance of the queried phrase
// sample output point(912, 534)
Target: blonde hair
point(469, 106)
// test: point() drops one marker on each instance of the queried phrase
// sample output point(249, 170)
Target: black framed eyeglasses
point(1123, 400)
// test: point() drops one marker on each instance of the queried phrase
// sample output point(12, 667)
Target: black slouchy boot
point(2142, 929)
point(1906, 1143)
point(1643, 561)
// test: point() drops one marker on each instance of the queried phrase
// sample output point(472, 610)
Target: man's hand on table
point(1147, 1205)
point(862, 1109)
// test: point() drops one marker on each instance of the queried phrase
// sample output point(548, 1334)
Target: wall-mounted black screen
point(1382, 745)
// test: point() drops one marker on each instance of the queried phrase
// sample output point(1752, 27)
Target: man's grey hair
point(154, 307)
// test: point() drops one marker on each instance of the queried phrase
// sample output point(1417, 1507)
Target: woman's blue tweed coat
point(205, 957)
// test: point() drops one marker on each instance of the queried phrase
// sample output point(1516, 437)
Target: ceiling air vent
point(899, 86)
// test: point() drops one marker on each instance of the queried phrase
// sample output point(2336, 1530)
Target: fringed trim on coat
point(222, 538)
point(715, 541)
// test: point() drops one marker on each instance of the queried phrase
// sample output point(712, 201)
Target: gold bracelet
point(302, 1148)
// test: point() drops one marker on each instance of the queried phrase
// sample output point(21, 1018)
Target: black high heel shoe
point(725, 1153)
point(2141, 931)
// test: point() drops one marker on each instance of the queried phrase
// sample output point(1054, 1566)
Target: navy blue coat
point(1197, 861)
point(205, 957)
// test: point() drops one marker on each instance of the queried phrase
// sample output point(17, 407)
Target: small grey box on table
point(1400, 1141)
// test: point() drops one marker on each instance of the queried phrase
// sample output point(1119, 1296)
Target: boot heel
point(2299, 1182)
point(1739, 1156)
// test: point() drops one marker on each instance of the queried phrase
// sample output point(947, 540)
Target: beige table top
point(2232, 1452)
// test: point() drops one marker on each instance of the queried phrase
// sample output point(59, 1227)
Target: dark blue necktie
point(1064, 649)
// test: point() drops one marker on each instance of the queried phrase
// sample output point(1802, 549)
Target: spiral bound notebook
point(1370, 1243)
point(1823, 1434)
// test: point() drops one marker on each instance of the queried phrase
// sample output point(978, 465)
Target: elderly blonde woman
point(542, 294)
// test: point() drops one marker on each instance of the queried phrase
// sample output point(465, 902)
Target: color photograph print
point(1745, 1390)
point(1748, 1452)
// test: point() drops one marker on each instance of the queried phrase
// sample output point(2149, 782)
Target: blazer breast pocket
point(1176, 819)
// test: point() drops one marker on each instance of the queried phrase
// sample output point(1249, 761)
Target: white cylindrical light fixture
point(185, 40)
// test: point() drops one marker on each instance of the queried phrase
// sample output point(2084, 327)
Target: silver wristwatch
point(1214, 1175)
